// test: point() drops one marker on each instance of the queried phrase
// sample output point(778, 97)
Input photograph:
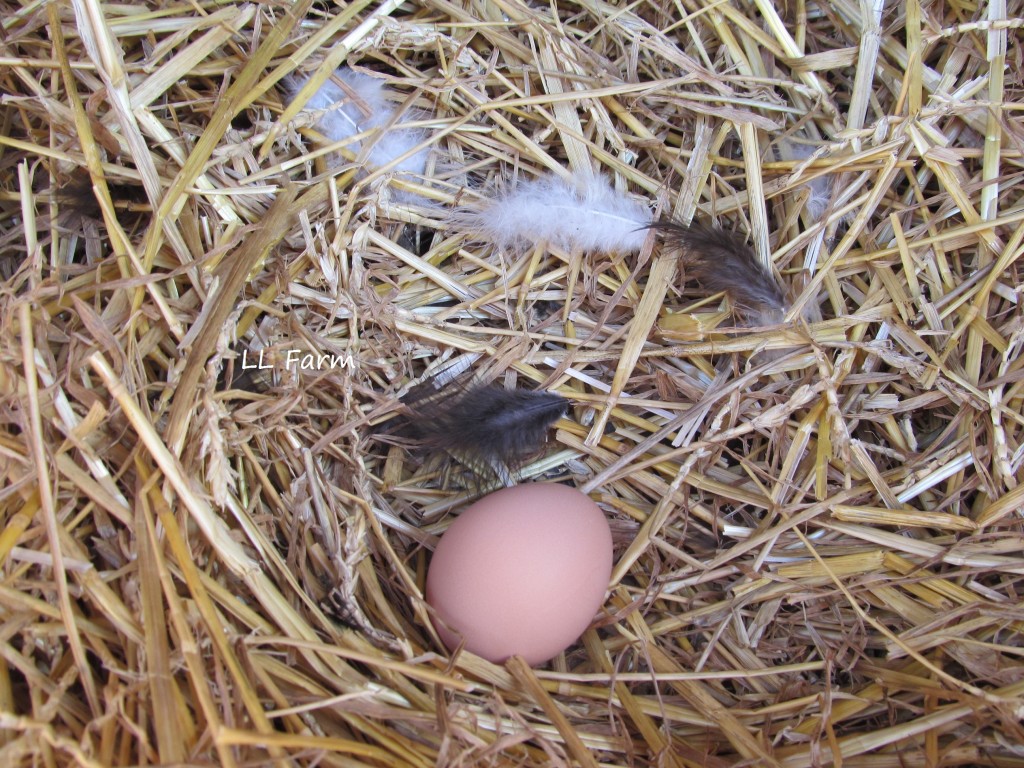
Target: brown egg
point(523, 571)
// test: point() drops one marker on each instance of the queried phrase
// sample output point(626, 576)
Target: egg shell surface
point(522, 571)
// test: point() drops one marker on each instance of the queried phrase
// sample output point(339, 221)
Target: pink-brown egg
point(523, 571)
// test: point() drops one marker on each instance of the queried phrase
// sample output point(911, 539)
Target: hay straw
point(818, 526)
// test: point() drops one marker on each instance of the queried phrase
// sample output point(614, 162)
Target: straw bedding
point(817, 522)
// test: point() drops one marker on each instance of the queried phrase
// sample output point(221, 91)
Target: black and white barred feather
point(488, 428)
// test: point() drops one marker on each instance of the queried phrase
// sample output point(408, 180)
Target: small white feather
point(362, 104)
point(585, 215)
point(819, 188)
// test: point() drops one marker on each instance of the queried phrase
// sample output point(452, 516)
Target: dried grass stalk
point(817, 521)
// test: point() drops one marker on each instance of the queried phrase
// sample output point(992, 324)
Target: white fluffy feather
point(342, 116)
point(819, 188)
point(586, 215)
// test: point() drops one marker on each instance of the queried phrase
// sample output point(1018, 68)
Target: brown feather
point(722, 261)
point(77, 201)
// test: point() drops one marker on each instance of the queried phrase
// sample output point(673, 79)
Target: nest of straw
point(818, 524)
